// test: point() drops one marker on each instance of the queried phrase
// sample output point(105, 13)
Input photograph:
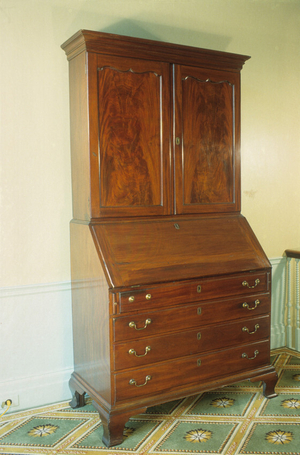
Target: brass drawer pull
point(256, 282)
point(245, 329)
point(131, 298)
point(148, 296)
point(147, 349)
point(133, 381)
point(132, 324)
point(256, 303)
point(245, 356)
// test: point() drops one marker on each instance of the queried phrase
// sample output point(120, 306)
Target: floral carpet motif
point(235, 420)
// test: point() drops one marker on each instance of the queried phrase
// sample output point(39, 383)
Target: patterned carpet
point(233, 420)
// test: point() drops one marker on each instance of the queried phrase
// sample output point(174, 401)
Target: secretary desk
point(170, 286)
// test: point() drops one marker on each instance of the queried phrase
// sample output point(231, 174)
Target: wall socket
point(13, 398)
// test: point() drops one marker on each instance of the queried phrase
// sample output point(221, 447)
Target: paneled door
point(206, 140)
point(134, 134)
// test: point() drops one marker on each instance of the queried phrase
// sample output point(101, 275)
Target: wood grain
point(188, 316)
point(160, 255)
point(182, 344)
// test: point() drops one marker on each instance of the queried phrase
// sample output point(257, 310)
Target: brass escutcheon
point(132, 324)
point(147, 349)
point(256, 303)
point(198, 362)
point(133, 381)
point(199, 336)
point(245, 329)
point(199, 288)
point(256, 282)
point(199, 310)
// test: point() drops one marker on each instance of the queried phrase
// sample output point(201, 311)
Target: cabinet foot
point(113, 424)
point(78, 400)
point(113, 430)
point(269, 387)
point(269, 382)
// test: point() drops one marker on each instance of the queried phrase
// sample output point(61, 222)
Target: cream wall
point(35, 312)
point(36, 198)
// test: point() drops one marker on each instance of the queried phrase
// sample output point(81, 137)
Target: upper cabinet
point(154, 128)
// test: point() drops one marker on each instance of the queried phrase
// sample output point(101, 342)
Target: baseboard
point(37, 390)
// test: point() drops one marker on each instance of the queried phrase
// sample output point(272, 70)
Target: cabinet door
point(134, 129)
point(206, 140)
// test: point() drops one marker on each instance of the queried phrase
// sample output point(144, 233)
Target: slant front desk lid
point(161, 250)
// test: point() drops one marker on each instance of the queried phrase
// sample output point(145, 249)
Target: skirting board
point(37, 390)
point(36, 334)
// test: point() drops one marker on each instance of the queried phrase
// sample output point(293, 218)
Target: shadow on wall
point(148, 30)
point(161, 32)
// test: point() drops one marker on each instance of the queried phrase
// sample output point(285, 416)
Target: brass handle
point(256, 303)
point(256, 282)
point(245, 329)
point(133, 381)
point(148, 296)
point(132, 324)
point(131, 298)
point(245, 356)
point(147, 349)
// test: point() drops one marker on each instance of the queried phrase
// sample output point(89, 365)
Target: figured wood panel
point(206, 112)
point(133, 103)
point(208, 123)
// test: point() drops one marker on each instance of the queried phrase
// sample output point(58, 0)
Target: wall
point(35, 160)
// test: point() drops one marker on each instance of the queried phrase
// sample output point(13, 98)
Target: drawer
point(198, 290)
point(152, 323)
point(137, 353)
point(187, 371)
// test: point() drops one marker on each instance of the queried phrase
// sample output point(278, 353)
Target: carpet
point(233, 420)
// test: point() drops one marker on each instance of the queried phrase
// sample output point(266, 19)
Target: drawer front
point(154, 323)
point(137, 353)
point(202, 289)
point(191, 370)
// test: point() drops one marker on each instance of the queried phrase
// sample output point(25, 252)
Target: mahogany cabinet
point(170, 286)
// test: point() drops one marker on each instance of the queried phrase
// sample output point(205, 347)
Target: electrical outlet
point(13, 398)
